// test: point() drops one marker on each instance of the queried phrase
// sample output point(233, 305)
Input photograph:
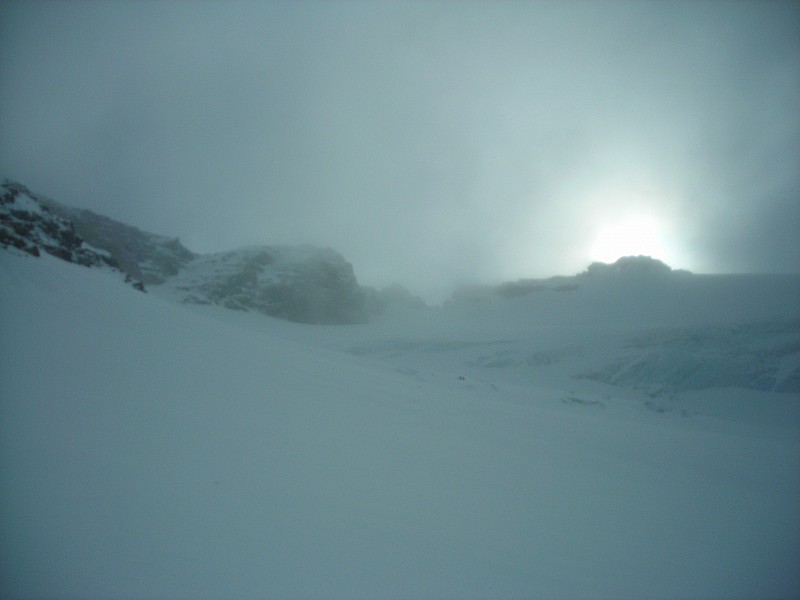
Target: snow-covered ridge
point(27, 225)
point(626, 270)
point(628, 265)
point(298, 283)
point(146, 256)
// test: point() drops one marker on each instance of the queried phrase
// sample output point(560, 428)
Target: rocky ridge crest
point(27, 225)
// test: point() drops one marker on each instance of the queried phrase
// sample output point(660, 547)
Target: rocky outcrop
point(28, 226)
point(630, 265)
point(145, 256)
point(633, 269)
point(297, 283)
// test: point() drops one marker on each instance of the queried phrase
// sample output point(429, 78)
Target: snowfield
point(631, 438)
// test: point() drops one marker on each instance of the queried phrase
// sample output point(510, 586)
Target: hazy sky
point(430, 142)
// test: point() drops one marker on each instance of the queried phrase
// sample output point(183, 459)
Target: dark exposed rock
point(302, 283)
point(145, 256)
point(27, 224)
point(628, 265)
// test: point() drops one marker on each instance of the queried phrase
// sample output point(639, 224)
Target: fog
point(431, 143)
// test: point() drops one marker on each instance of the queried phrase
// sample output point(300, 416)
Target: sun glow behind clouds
point(634, 235)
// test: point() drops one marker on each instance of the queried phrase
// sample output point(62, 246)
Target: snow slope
point(154, 450)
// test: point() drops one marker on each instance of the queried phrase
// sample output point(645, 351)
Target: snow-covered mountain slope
point(29, 227)
point(298, 283)
point(26, 225)
point(156, 450)
point(145, 256)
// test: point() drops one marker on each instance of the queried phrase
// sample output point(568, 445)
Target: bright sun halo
point(630, 236)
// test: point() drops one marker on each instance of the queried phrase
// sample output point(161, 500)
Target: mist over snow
point(433, 144)
point(632, 431)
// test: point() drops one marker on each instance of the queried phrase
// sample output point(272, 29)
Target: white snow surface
point(23, 202)
point(154, 450)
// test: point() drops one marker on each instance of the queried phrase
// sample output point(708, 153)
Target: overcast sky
point(431, 143)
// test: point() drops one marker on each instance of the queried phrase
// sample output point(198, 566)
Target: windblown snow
point(612, 437)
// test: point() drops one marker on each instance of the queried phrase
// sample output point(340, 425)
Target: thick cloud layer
point(430, 143)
